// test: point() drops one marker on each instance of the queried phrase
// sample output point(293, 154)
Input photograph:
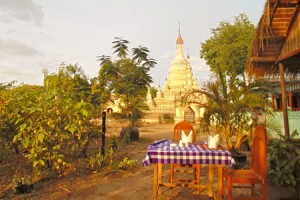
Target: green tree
point(70, 78)
point(127, 78)
point(153, 92)
point(7, 128)
point(51, 122)
point(230, 98)
point(78, 104)
point(228, 46)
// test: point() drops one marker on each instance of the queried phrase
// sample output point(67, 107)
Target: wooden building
point(275, 50)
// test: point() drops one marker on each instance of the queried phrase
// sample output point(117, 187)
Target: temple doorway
point(189, 115)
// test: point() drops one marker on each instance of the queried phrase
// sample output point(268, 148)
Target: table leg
point(220, 181)
point(210, 180)
point(159, 177)
point(198, 177)
point(155, 181)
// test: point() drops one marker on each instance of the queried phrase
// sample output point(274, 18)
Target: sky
point(43, 34)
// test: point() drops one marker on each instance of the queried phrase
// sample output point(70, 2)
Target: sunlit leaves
point(229, 45)
point(230, 102)
point(120, 46)
point(127, 78)
point(284, 161)
point(42, 120)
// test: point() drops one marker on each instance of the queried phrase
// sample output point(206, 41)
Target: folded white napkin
point(180, 143)
point(187, 138)
point(213, 141)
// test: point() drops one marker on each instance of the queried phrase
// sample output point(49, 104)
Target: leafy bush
point(99, 161)
point(51, 123)
point(126, 164)
point(284, 161)
point(113, 144)
point(166, 118)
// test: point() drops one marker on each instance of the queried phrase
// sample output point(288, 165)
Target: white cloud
point(37, 34)
point(168, 54)
point(10, 48)
point(8, 70)
point(199, 64)
point(200, 69)
point(21, 10)
point(24, 73)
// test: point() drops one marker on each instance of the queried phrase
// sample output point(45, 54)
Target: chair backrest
point(183, 126)
point(259, 151)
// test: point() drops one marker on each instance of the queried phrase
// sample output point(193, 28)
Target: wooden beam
point(284, 101)
point(292, 22)
point(273, 13)
point(291, 54)
point(263, 59)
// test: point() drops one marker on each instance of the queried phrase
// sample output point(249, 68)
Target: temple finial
point(179, 39)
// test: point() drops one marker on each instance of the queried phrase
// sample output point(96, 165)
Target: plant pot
point(129, 134)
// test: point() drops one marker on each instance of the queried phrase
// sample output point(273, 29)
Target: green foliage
point(113, 144)
point(53, 121)
point(229, 46)
point(204, 125)
point(153, 92)
point(230, 98)
point(284, 161)
point(127, 164)
point(99, 161)
point(166, 118)
point(127, 78)
point(273, 126)
point(56, 122)
point(7, 128)
point(229, 105)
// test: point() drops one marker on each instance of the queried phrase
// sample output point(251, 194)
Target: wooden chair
point(195, 168)
point(257, 174)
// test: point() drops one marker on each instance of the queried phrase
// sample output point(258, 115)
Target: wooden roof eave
point(264, 36)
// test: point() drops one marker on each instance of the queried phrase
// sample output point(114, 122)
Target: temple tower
point(180, 80)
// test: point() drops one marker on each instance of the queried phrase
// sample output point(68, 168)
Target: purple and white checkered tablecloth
point(162, 152)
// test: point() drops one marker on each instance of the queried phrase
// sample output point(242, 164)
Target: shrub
point(99, 161)
point(284, 161)
point(126, 164)
point(113, 144)
point(166, 118)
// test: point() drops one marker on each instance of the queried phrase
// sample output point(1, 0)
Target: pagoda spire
point(179, 42)
point(188, 57)
point(179, 38)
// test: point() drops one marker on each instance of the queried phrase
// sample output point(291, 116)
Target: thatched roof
point(277, 39)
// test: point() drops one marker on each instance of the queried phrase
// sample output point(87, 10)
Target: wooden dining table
point(165, 152)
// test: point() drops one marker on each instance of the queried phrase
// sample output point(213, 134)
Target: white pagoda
point(180, 80)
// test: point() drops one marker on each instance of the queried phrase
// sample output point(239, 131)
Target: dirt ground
point(132, 185)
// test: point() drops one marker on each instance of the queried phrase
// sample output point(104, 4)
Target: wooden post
point(103, 133)
point(284, 101)
point(291, 100)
